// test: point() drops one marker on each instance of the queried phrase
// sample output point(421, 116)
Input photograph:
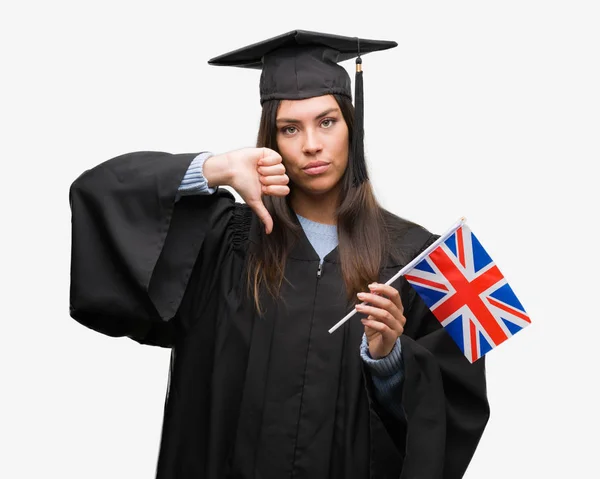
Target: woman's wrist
point(217, 171)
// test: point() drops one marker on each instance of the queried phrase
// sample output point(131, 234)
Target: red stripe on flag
point(460, 246)
point(416, 279)
point(474, 338)
point(512, 311)
point(466, 294)
point(487, 279)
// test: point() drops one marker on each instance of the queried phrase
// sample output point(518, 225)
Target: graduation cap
point(302, 64)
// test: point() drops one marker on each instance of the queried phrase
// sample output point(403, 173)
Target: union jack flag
point(468, 294)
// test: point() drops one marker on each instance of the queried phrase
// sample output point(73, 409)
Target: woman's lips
point(316, 170)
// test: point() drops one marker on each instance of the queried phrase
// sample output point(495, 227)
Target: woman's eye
point(287, 129)
point(329, 122)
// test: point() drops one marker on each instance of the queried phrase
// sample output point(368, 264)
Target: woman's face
point(312, 137)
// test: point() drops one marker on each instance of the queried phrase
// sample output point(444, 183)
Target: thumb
point(263, 214)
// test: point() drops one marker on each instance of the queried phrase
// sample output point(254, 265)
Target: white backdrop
point(485, 109)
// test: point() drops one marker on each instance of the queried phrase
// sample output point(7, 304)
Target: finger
point(275, 190)
point(381, 302)
point(383, 316)
point(270, 160)
point(370, 332)
point(278, 169)
point(384, 330)
point(263, 214)
point(389, 292)
point(374, 328)
point(274, 180)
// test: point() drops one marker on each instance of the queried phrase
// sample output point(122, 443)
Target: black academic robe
point(261, 397)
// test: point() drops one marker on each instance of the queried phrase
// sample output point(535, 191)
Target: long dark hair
point(362, 233)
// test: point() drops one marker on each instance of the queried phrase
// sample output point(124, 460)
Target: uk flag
point(468, 294)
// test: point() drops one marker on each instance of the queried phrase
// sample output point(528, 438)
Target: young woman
point(245, 293)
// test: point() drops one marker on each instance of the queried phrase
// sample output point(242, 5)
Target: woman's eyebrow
point(320, 115)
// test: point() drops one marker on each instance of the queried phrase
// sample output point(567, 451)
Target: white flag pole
point(409, 266)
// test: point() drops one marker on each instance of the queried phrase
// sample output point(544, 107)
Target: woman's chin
point(318, 188)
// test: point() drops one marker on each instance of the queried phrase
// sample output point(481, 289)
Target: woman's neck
point(317, 208)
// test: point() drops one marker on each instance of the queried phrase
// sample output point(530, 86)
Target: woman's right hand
point(252, 172)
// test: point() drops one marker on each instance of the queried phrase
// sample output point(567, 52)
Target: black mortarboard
point(302, 64)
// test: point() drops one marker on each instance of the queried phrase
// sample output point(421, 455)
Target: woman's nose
point(312, 143)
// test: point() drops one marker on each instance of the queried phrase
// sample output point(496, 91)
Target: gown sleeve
point(443, 396)
point(134, 246)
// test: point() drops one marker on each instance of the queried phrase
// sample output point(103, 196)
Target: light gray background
point(486, 109)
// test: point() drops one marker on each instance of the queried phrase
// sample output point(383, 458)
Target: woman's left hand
point(385, 320)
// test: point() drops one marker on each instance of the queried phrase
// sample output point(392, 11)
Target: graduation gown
point(250, 396)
